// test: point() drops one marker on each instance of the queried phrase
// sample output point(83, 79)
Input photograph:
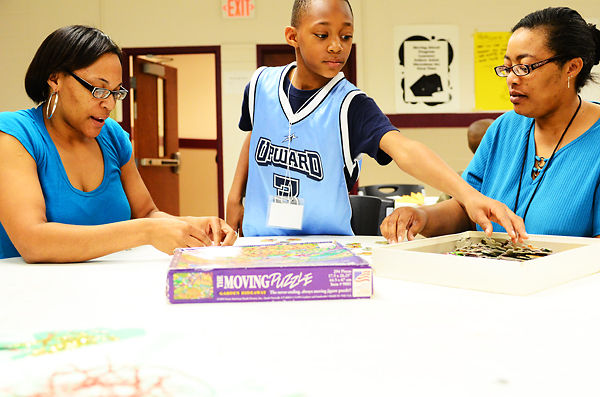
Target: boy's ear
point(291, 36)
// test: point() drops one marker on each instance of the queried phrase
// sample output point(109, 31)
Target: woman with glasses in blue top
point(70, 190)
point(541, 159)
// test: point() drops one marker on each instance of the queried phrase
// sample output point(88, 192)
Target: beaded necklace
point(544, 162)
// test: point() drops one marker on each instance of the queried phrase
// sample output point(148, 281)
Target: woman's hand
point(484, 210)
point(216, 229)
point(403, 221)
point(166, 234)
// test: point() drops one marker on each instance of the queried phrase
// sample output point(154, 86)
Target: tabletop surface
point(409, 339)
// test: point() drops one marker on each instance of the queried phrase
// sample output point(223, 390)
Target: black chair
point(391, 190)
point(367, 214)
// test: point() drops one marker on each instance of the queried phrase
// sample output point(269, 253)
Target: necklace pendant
point(540, 162)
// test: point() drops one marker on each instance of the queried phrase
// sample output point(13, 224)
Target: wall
point(378, 54)
point(138, 23)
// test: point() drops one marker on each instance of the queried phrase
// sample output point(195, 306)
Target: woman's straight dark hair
point(569, 36)
point(66, 49)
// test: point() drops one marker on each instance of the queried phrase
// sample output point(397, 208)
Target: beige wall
point(450, 143)
point(138, 23)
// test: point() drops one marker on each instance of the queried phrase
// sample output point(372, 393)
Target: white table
point(408, 340)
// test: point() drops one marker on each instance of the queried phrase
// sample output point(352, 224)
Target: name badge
point(286, 212)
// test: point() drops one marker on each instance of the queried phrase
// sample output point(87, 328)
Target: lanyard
point(289, 138)
point(547, 165)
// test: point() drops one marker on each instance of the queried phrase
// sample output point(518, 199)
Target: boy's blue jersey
point(317, 168)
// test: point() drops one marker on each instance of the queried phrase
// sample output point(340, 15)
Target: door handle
point(174, 162)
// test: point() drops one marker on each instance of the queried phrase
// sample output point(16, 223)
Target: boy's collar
point(314, 103)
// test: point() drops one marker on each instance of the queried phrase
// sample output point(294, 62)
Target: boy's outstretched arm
point(421, 162)
point(235, 207)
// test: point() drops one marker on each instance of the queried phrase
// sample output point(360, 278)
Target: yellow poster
point(491, 92)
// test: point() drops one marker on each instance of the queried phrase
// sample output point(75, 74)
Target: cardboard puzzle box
point(274, 272)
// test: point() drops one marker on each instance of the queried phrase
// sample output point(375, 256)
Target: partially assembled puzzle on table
point(282, 271)
point(472, 260)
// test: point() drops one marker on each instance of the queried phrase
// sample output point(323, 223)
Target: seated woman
point(70, 187)
point(541, 159)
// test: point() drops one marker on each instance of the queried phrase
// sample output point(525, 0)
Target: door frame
point(185, 143)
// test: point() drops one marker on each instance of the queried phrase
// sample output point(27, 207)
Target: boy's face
point(324, 39)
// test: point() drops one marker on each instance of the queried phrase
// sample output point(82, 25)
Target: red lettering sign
point(238, 8)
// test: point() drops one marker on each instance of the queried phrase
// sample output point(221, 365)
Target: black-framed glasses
point(98, 92)
point(523, 69)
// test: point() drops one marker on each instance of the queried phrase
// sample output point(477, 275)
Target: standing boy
point(309, 126)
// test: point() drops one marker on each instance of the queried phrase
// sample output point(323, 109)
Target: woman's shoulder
point(510, 125)
point(21, 118)
point(595, 116)
point(27, 127)
point(513, 118)
point(116, 140)
point(23, 124)
point(114, 131)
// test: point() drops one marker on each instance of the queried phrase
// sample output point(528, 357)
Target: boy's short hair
point(301, 6)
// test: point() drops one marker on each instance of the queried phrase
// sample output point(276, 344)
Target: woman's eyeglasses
point(522, 69)
point(98, 92)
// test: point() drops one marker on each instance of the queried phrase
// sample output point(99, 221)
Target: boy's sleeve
point(245, 123)
point(366, 126)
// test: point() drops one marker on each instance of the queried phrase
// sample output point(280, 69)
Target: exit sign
point(238, 8)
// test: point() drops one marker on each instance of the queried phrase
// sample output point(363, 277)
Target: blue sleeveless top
point(65, 204)
point(319, 161)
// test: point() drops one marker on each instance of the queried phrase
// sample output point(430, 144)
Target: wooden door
point(154, 131)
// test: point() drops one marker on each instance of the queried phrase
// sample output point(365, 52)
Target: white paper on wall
point(426, 68)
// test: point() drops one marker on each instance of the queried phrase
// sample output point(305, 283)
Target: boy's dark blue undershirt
point(366, 122)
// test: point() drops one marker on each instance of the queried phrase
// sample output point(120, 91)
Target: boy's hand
point(235, 215)
point(404, 220)
point(484, 210)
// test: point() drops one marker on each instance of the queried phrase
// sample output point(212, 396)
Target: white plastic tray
point(423, 261)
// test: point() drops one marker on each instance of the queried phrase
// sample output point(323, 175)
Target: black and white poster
point(426, 68)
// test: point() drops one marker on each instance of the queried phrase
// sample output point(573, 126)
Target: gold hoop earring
point(48, 114)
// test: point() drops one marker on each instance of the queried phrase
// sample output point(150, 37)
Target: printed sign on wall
point(491, 91)
point(238, 8)
point(426, 68)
